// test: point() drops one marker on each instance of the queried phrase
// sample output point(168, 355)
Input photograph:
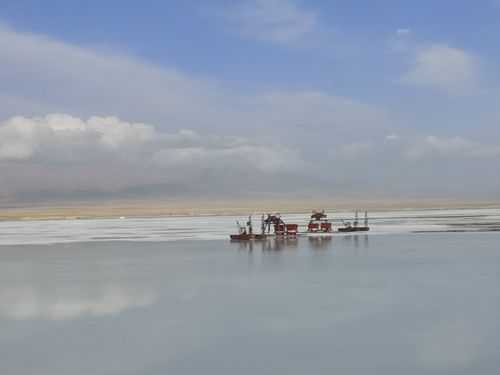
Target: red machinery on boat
point(280, 227)
point(286, 229)
point(319, 223)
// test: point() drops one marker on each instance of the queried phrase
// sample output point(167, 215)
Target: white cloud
point(63, 153)
point(264, 158)
point(21, 138)
point(276, 21)
point(454, 147)
point(403, 31)
point(445, 68)
point(353, 151)
point(392, 137)
point(417, 148)
point(51, 137)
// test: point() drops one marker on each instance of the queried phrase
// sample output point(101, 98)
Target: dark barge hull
point(247, 237)
point(354, 229)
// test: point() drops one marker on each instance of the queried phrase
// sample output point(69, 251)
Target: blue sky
point(195, 36)
point(347, 51)
point(353, 83)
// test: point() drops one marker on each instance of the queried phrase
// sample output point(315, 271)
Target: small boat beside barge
point(355, 227)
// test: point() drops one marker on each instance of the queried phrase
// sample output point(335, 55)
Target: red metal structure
point(292, 229)
point(280, 229)
point(319, 223)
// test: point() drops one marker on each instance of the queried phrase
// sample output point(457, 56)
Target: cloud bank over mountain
point(61, 154)
point(79, 121)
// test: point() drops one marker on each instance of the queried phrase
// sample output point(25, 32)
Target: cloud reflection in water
point(28, 302)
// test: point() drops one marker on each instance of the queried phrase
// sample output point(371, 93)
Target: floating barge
point(274, 226)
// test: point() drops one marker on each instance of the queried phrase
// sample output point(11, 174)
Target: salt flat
point(219, 227)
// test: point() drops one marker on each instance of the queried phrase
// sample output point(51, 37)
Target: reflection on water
point(320, 242)
point(269, 244)
point(31, 302)
point(358, 240)
point(69, 282)
point(314, 242)
point(412, 304)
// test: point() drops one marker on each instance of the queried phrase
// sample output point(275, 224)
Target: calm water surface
point(390, 304)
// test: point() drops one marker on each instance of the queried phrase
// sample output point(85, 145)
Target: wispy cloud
point(432, 147)
point(275, 21)
point(420, 148)
point(403, 31)
point(448, 69)
point(353, 151)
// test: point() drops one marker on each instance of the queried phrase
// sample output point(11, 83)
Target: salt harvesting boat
point(245, 232)
point(274, 226)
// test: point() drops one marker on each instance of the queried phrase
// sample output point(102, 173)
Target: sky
point(250, 98)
